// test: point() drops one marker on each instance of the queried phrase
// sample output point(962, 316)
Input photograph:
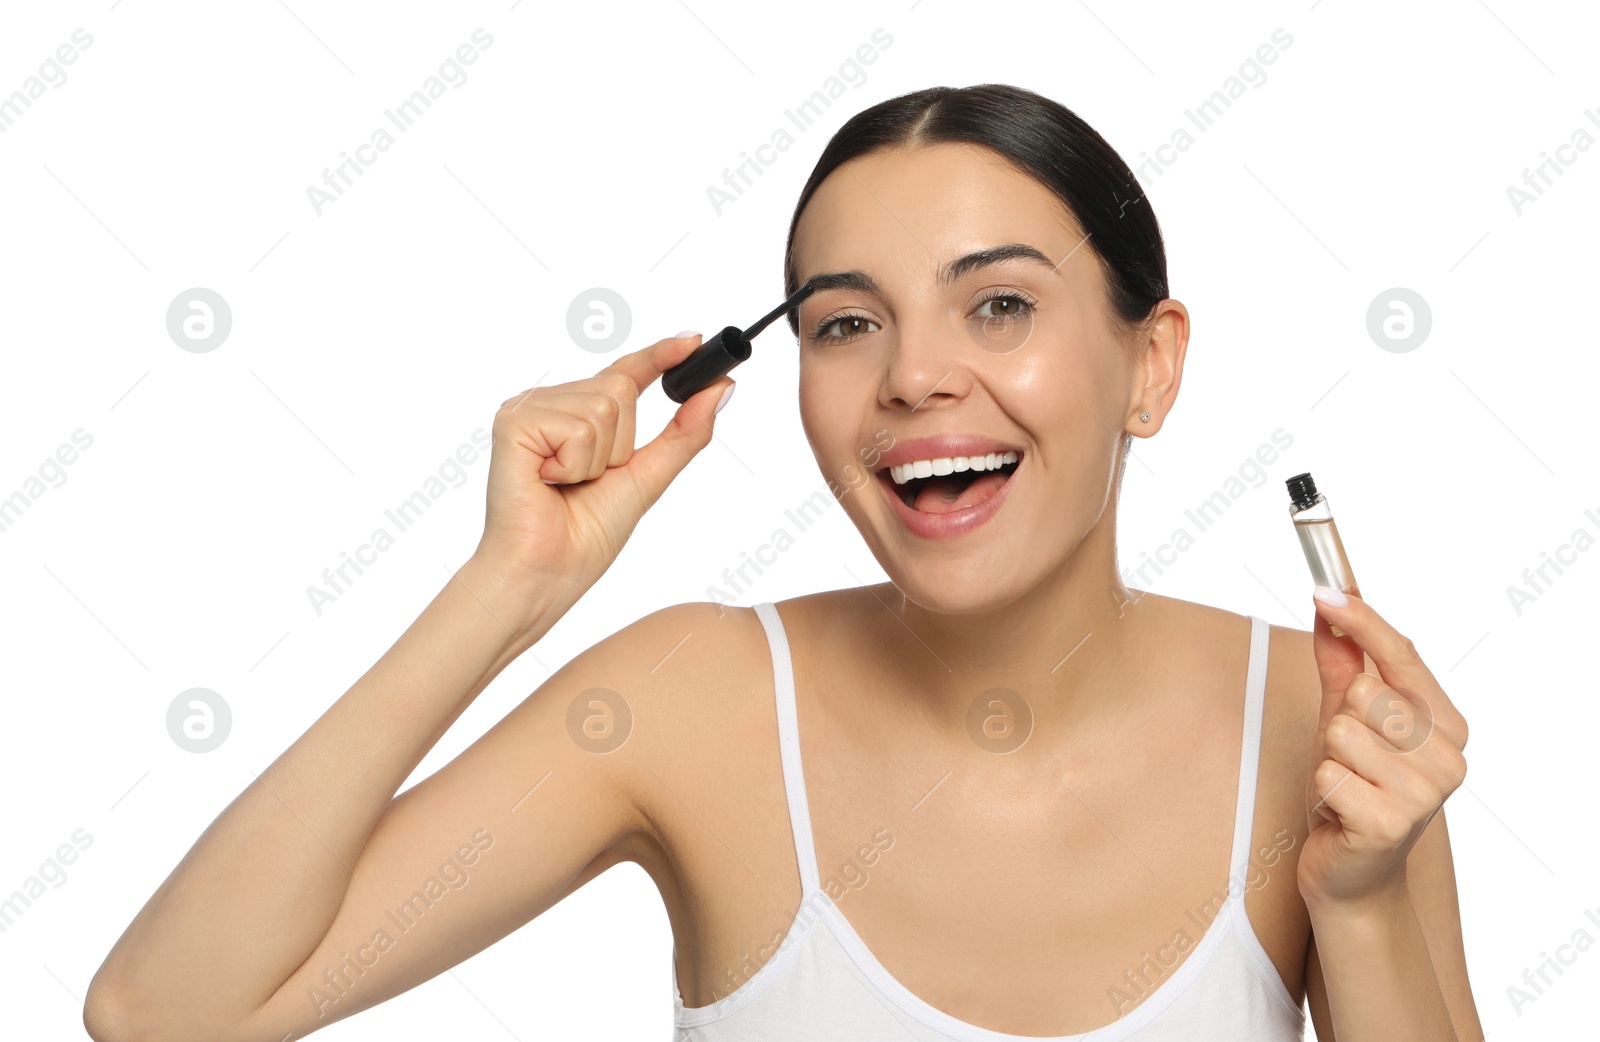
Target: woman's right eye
point(853, 323)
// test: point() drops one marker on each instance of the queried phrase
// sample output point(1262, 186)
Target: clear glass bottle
point(1319, 537)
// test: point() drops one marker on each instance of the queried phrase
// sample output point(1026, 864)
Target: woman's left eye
point(1009, 305)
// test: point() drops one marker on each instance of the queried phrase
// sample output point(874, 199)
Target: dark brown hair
point(1042, 137)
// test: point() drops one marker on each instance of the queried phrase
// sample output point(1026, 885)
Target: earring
point(1144, 417)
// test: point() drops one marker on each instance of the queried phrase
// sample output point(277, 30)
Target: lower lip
point(952, 524)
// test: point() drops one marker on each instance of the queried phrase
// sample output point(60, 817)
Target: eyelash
point(1027, 302)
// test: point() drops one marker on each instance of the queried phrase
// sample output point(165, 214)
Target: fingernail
point(685, 333)
point(1329, 596)
point(725, 396)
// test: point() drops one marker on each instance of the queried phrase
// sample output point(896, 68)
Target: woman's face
point(1019, 353)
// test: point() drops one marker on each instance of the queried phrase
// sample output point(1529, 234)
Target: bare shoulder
point(694, 683)
point(1294, 690)
point(1293, 697)
point(677, 664)
point(700, 767)
point(1290, 723)
point(1291, 720)
point(673, 698)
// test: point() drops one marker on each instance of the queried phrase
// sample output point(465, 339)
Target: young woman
point(1001, 796)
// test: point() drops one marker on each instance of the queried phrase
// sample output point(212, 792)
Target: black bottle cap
point(1302, 490)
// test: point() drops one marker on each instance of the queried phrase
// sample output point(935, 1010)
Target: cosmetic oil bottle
point(1319, 537)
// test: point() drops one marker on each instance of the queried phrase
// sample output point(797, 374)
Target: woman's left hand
point(1388, 754)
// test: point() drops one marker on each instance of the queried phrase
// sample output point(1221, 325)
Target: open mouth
point(946, 493)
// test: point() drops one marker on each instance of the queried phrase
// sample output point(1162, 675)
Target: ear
point(1163, 338)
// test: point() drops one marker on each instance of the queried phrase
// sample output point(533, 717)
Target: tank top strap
point(794, 780)
point(1255, 690)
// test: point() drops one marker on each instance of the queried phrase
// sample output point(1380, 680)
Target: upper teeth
point(924, 468)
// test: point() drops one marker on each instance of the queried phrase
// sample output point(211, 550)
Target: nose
point(926, 365)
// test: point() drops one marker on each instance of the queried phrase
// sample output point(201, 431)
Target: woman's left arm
point(1431, 887)
point(1387, 959)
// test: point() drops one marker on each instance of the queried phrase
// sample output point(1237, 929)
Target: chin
point(958, 586)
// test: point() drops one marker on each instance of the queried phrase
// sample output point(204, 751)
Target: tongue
point(941, 495)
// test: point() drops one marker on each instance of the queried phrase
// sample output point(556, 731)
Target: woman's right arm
point(317, 892)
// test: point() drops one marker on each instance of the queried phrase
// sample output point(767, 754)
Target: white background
point(370, 341)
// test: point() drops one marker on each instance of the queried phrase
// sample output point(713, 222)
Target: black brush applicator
point(721, 353)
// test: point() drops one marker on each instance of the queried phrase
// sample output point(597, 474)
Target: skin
point(1017, 888)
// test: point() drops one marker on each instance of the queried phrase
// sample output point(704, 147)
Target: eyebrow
point(948, 273)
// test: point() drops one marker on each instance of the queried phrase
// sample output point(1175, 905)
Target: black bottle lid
point(1302, 491)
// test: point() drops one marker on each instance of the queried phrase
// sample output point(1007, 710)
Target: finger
point(1416, 763)
point(626, 394)
point(1394, 655)
point(1350, 742)
point(1367, 697)
point(1344, 792)
point(653, 466)
point(604, 413)
point(1401, 718)
point(645, 366)
point(1339, 661)
point(566, 442)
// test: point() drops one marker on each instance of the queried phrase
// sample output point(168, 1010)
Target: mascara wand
point(721, 353)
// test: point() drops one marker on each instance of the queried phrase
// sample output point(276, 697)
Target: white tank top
point(823, 983)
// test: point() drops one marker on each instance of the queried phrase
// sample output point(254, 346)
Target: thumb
point(654, 466)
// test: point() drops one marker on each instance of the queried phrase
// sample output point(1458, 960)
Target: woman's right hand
point(567, 487)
